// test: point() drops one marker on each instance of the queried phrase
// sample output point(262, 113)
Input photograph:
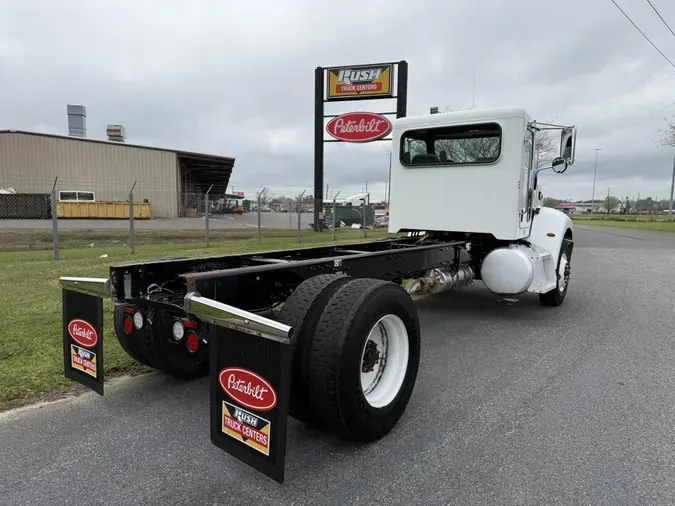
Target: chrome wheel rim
point(384, 361)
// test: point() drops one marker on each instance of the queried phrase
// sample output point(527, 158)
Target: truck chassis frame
point(227, 305)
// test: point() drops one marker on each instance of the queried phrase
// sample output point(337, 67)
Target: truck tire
point(353, 392)
point(302, 311)
point(556, 296)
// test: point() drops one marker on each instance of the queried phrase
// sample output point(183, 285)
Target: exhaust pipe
point(442, 280)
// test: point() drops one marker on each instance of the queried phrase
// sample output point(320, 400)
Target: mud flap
point(83, 331)
point(249, 372)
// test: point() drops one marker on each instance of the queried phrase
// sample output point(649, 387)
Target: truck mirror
point(567, 144)
point(559, 164)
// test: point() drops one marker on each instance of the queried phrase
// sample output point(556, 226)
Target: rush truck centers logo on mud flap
point(366, 81)
point(250, 385)
point(359, 127)
point(83, 360)
point(246, 427)
point(83, 339)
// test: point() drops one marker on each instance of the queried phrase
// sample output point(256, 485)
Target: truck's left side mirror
point(568, 140)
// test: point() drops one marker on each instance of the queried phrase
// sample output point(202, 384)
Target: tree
point(266, 196)
point(611, 203)
point(550, 202)
point(546, 148)
point(668, 137)
point(462, 150)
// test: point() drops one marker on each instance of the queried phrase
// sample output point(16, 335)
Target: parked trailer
point(330, 335)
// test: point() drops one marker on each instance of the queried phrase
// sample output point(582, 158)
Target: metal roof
point(190, 154)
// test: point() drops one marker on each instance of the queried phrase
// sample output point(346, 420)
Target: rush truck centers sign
point(359, 127)
point(367, 81)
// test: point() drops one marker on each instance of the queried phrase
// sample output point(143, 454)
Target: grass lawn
point(31, 355)
point(35, 239)
point(657, 223)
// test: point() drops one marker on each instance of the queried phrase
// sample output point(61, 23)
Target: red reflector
point(192, 341)
point(189, 324)
point(128, 325)
point(129, 310)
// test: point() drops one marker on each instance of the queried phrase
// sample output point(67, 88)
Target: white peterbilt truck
point(330, 335)
point(475, 177)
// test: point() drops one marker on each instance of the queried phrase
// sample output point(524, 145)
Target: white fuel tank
point(508, 270)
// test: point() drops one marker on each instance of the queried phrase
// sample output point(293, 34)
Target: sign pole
point(346, 84)
point(402, 91)
point(318, 146)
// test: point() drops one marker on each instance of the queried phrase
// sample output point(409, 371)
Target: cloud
point(236, 78)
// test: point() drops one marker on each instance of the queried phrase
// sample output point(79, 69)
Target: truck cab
point(471, 171)
point(473, 174)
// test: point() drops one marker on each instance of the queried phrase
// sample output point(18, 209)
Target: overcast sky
point(236, 78)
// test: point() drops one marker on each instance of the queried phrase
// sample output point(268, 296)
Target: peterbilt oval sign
point(248, 388)
point(359, 127)
point(83, 333)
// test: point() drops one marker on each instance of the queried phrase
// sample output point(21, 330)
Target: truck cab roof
point(470, 116)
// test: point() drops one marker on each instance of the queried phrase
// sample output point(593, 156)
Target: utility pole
point(672, 185)
point(607, 200)
point(595, 171)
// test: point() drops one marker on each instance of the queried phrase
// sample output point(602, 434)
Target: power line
point(643, 34)
point(619, 97)
point(635, 99)
point(659, 15)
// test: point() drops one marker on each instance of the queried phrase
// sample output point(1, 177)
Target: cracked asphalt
point(515, 403)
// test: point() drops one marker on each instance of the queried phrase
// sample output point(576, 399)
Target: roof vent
point(116, 133)
point(77, 120)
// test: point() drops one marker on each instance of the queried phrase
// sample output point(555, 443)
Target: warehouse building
point(84, 169)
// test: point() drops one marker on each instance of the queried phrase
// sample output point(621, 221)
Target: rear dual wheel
point(357, 356)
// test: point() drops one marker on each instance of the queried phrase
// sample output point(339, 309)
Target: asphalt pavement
point(515, 403)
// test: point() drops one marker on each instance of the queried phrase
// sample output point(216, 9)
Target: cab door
point(526, 180)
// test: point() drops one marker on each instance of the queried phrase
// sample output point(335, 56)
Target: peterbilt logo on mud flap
point(83, 333)
point(248, 388)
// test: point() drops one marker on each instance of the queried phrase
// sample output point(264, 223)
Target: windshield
point(464, 144)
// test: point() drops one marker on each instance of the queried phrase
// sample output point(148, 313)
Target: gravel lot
point(515, 404)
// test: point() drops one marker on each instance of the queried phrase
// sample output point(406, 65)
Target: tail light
point(138, 320)
point(179, 326)
point(178, 330)
point(192, 341)
point(128, 324)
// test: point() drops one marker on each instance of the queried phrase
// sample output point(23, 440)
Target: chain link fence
point(118, 220)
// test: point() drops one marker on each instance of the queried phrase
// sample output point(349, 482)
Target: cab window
point(452, 145)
